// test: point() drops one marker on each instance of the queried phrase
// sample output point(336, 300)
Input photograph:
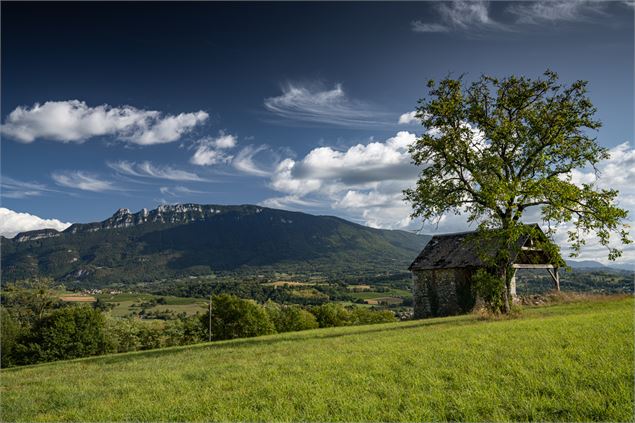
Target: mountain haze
point(192, 239)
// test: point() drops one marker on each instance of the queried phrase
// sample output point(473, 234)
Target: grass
point(566, 362)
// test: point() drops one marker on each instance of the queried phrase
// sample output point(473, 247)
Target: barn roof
point(457, 250)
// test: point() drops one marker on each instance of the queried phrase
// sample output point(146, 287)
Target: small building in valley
point(442, 273)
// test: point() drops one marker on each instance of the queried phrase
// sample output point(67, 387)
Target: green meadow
point(567, 362)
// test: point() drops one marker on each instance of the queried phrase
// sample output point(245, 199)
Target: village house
point(442, 273)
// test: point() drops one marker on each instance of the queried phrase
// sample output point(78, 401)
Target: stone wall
point(442, 292)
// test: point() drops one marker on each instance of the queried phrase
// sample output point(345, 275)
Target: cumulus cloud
point(12, 223)
point(364, 181)
point(210, 151)
point(556, 11)
point(408, 118)
point(82, 180)
point(325, 106)
point(75, 121)
point(146, 169)
point(461, 16)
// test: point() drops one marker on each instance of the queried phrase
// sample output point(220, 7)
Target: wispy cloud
point(82, 180)
point(324, 106)
point(12, 223)
point(460, 16)
point(556, 11)
point(146, 169)
point(75, 121)
point(179, 191)
point(13, 188)
point(244, 161)
point(418, 26)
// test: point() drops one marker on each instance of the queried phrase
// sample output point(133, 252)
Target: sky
point(300, 106)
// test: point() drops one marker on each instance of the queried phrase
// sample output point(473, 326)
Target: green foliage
point(233, 317)
point(490, 289)
point(571, 362)
point(367, 316)
point(10, 331)
point(499, 147)
point(290, 318)
point(331, 315)
point(66, 333)
point(30, 299)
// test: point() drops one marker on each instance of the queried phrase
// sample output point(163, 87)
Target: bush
point(490, 288)
point(233, 317)
point(331, 314)
point(366, 316)
point(290, 318)
point(9, 334)
point(66, 333)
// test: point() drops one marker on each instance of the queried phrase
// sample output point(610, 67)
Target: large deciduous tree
point(497, 147)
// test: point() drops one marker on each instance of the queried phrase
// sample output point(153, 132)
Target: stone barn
point(442, 273)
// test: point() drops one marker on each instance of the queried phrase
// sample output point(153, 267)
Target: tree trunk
point(506, 307)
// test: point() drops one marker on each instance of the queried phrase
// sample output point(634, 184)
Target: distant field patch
point(359, 287)
point(384, 300)
point(289, 283)
point(78, 298)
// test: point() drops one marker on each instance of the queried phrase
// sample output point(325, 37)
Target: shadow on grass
point(324, 333)
point(274, 339)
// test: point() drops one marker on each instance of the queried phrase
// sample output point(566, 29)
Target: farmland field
point(568, 362)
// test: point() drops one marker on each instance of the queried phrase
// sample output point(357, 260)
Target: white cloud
point(178, 191)
point(12, 223)
point(408, 118)
point(244, 161)
point(318, 105)
point(460, 15)
point(75, 121)
point(82, 180)
point(418, 26)
point(209, 151)
point(364, 182)
point(556, 11)
point(12, 188)
point(146, 169)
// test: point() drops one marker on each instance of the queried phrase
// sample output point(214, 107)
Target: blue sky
point(290, 105)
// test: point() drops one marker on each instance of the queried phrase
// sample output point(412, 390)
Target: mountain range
point(192, 239)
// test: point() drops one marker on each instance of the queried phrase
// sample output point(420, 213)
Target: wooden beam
point(533, 266)
point(556, 277)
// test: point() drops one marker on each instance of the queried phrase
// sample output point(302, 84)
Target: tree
point(233, 317)
point(289, 318)
point(500, 147)
point(331, 314)
point(69, 332)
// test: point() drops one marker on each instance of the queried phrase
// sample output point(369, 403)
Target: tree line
point(37, 327)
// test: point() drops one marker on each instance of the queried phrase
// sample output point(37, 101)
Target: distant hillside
point(192, 239)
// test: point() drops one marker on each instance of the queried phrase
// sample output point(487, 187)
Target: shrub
point(9, 334)
point(490, 288)
point(290, 318)
point(69, 332)
point(366, 316)
point(233, 317)
point(331, 314)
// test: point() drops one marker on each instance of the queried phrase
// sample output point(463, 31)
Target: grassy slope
point(566, 362)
